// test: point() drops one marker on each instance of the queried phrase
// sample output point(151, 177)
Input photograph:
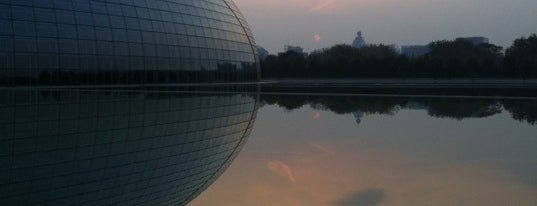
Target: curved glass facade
point(117, 147)
point(98, 42)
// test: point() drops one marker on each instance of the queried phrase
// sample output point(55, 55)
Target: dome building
point(147, 146)
point(129, 148)
point(359, 41)
point(121, 42)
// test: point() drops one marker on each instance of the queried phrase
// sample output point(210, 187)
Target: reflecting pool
point(385, 150)
point(117, 147)
point(199, 146)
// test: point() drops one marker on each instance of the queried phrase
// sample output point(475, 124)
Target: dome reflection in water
point(117, 147)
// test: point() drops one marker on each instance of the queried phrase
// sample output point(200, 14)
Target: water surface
point(118, 146)
point(363, 150)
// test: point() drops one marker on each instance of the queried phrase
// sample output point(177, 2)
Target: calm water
point(350, 151)
point(168, 147)
point(117, 147)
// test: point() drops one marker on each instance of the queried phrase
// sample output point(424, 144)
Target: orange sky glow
point(278, 22)
point(368, 163)
point(320, 177)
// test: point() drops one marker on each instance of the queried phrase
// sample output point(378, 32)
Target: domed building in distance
point(359, 41)
point(124, 42)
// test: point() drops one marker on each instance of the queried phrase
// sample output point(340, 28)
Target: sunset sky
point(316, 24)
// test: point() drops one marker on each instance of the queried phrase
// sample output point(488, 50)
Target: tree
point(521, 57)
point(461, 58)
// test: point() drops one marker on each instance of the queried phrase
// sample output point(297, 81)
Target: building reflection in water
point(405, 151)
point(117, 147)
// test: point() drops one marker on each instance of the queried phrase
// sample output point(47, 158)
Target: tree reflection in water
point(456, 108)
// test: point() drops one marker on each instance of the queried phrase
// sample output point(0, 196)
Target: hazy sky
point(400, 22)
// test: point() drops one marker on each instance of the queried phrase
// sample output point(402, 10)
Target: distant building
point(359, 41)
point(292, 48)
point(415, 50)
point(262, 52)
point(296, 49)
point(477, 40)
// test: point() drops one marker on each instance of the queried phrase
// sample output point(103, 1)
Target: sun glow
point(317, 38)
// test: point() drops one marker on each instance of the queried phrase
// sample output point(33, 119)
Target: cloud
point(324, 5)
point(312, 6)
point(315, 6)
point(281, 169)
point(322, 149)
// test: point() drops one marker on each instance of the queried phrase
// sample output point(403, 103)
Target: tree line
point(446, 59)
